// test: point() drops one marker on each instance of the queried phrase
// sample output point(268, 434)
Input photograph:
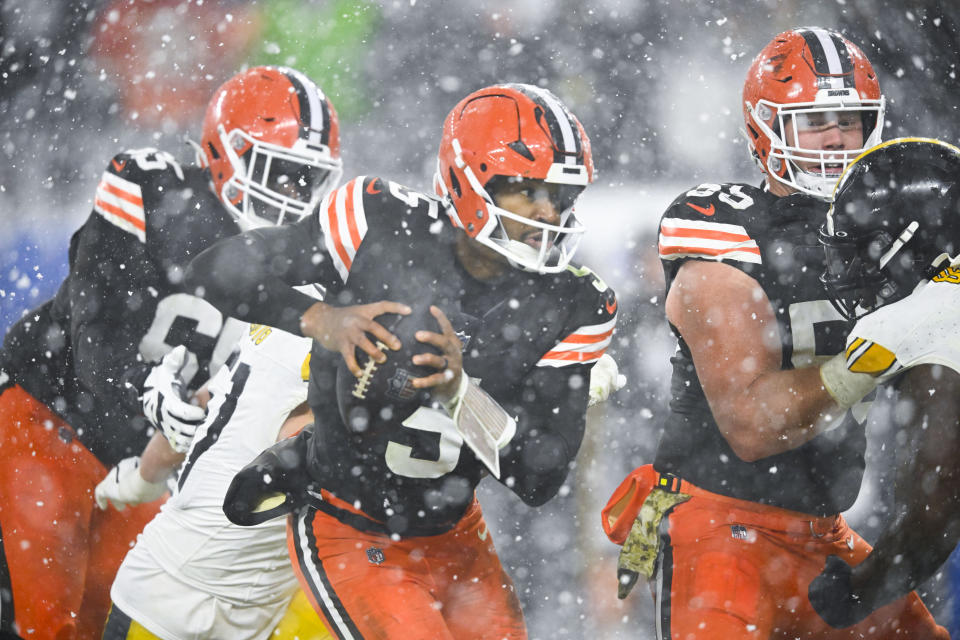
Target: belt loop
point(668, 482)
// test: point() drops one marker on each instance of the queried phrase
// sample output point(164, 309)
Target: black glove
point(273, 485)
point(831, 597)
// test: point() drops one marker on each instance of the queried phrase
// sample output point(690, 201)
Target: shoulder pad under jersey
point(132, 183)
point(590, 327)
point(349, 212)
point(714, 222)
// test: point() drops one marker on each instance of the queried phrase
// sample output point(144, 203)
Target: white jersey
point(919, 329)
point(219, 580)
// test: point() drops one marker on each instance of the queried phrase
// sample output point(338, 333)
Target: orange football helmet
point(809, 77)
point(272, 144)
point(514, 131)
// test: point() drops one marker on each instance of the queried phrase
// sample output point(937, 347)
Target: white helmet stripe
point(832, 56)
point(566, 126)
point(314, 97)
point(829, 50)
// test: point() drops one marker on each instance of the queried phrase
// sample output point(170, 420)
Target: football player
point(760, 453)
point(224, 580)
point(389, 540)
point(81, 366)
point(891, 238)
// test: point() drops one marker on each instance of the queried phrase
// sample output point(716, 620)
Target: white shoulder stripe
point(680, 238)
point(594, 329)
point(683, 223)
point(705, 243)
point(359, 213)
point(120, 202)
point(323, 213)
point(584, 345)
point(344, 224)
point(739, 256)
point(123, 184)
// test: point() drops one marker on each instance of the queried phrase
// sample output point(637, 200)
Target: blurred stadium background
point(656, 86)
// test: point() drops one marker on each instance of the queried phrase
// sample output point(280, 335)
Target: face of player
point(821, 132)
point(532, 200)
point(526, 203)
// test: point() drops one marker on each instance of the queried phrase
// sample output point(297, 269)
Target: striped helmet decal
point(314, 110)
point(561, 124)
point(830, 56)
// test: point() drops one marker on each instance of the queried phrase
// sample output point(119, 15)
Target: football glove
point(605, 378)
point(124, 486)
point(831, 597)
point(165, 405)
point(274, 484)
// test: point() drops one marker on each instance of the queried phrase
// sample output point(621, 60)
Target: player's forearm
point(926, 527)
point(541, 453)
point(777, 412)
point(158, 460)
point(105, 367)
point(236, 277)
point(908, 553)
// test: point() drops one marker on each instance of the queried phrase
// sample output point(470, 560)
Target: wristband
point(143, 487)
point(846, 387)
point(454, 402)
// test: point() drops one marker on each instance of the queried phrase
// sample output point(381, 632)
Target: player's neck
point(777, 188)
point(480, 262)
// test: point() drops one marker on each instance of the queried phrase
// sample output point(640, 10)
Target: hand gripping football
point(384, 391)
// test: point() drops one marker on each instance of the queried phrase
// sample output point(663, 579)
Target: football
point(384, 393)
point(384, 390)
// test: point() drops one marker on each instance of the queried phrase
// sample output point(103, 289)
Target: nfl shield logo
point(375, 555)
point(738, 531)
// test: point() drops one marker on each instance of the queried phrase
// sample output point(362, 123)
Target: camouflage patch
point(640, 550)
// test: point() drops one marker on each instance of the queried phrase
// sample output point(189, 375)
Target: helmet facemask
point(870, 271)
point(541, 247)
point(808, 170)
point(273, 184)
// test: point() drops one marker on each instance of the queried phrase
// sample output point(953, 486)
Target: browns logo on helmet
point(272, 144)
point(809, 77)
point(514, 132)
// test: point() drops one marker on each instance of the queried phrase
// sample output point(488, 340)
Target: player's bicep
point(729, 326)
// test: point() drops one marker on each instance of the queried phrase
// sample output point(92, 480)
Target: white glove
point(125, 486)
point(164, 405)
point(605, 378)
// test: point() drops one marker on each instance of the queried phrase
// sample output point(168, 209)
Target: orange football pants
point(60, 553)
point(367, 585)
point(733, 569)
